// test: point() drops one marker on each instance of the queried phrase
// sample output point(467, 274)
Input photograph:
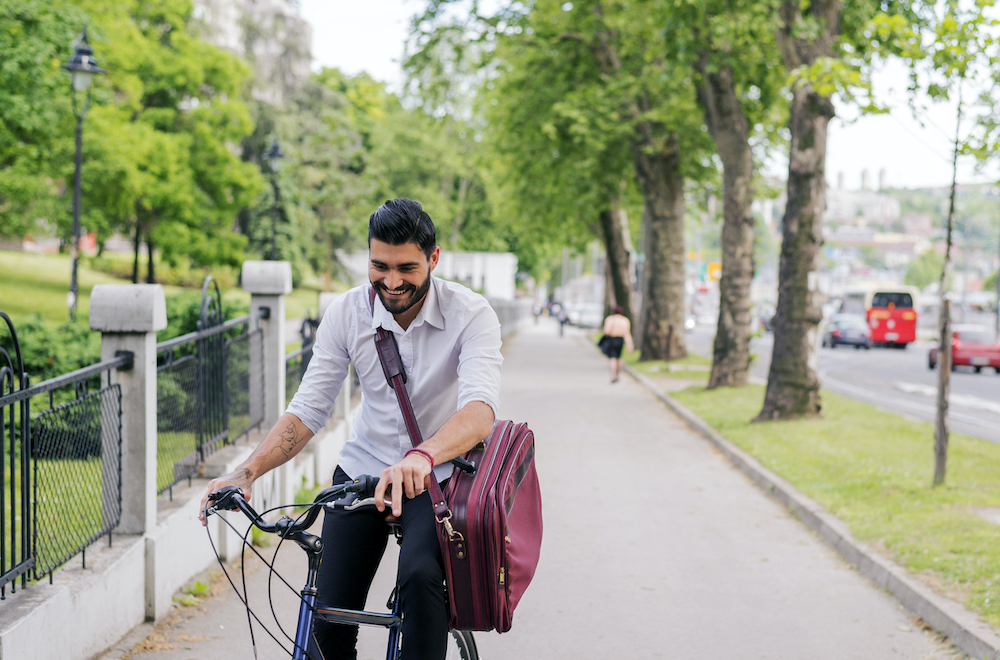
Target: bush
point(181, 274)
point(184, 310)
point(51, 350)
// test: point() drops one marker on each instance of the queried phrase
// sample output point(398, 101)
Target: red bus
point(890, 311)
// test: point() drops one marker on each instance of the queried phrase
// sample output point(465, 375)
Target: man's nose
point(393, 280)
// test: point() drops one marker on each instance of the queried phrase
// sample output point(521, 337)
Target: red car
point(971, 345)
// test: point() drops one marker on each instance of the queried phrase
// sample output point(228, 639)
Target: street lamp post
point(82, 68)
point(274, 156)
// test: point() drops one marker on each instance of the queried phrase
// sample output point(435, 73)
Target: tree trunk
point(657, 161)
point(792, 383)
point(617, 254)
point(150, 274)
point(135, 263)
point(730, 129)
point(609, 293)
point(662, 186)
point(457, 221)
point(941, 433)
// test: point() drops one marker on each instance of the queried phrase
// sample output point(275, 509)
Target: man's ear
point(434, 257)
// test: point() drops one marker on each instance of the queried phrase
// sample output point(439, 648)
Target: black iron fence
point(60, 469)
point(297, 361)
point(209, 389)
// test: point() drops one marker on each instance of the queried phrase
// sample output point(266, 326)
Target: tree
point(563, 158)
point(328, 159)
point(35, 117)
point(607, 56)
point(825, 46)
point(730, 47)
point(960, 44)
point(173, 114)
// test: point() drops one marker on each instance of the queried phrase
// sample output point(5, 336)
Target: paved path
point(655, 546)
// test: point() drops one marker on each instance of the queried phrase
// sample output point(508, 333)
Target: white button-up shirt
point(451, 354)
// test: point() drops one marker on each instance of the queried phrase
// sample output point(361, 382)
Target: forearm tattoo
point(240, 478)
point(288, 440)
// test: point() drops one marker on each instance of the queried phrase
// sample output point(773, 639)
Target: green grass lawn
point(873, 469)
point(31, 283)
point(692, 367)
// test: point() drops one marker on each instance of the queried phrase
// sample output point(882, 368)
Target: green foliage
point(53, 349)
point(180, 273)
point(36, 125)
point(156, 144)
point(199, 589)
point(925, 269)
point(990, 283)
point(184, 310)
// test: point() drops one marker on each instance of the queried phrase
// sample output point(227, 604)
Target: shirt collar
point(430, 312)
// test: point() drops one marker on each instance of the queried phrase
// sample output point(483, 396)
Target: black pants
point(353, 543)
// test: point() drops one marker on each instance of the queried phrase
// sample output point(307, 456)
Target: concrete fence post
point(128, 316)
point(268, 282)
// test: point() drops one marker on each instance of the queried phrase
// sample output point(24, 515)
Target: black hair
point(402, 221)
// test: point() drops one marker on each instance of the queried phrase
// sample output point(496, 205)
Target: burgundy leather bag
point(490, 521)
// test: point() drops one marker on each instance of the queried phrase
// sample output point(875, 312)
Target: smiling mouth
point(395, 292)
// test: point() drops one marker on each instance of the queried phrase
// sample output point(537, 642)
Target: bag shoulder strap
point(392, 366)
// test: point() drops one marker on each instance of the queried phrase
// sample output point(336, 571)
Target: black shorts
point(613, 347)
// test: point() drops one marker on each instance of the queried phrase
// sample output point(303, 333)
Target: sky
point(369, 35)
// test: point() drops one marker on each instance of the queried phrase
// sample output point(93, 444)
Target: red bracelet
point(423, 453)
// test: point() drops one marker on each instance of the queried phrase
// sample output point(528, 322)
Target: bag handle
point(392, 366)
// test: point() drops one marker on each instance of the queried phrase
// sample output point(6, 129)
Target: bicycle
point(348, 496)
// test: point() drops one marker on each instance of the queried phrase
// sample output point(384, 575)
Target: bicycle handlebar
point(230, 498)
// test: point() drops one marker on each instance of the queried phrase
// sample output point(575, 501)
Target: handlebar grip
point(364, 486)
point(225, 498)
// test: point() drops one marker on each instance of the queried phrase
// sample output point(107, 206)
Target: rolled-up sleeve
point(479, 360)
point(328, 367)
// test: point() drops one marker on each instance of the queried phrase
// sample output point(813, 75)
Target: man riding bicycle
point(449, 342)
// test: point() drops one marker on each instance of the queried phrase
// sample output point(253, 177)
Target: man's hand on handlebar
point(409, 477)
point(239, 478)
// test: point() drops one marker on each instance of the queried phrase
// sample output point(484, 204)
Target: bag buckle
point(453, 534)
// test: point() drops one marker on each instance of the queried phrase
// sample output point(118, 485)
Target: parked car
point(848, 330)
point(971, 345)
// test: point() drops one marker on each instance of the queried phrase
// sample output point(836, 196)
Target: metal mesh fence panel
point(245, 382)
point(295, 368)
point(177, 419)
point(213, 431)
point(77, 459)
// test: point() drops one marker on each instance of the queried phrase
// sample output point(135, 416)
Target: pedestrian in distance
point(617, 335)
point(563, 319)
point(449, 343)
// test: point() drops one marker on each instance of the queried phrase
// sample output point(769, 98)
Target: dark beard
point(402, 305)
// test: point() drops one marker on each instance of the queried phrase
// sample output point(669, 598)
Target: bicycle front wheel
point(461, 646)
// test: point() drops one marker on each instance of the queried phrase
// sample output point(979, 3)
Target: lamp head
point(274, 155)
point(83, 65)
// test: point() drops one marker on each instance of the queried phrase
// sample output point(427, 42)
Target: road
point(893, 379)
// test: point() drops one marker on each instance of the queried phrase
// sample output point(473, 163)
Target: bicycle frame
point(308, 611)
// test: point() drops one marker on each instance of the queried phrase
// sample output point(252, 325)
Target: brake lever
point(223, 499)
point(357, 504)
